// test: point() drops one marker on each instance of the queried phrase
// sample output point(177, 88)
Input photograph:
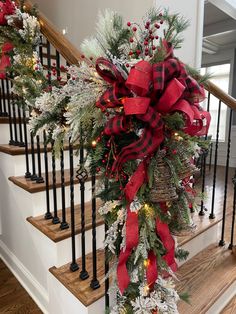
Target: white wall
point(79, 17)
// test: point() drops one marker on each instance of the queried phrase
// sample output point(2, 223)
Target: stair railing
point(213, 178)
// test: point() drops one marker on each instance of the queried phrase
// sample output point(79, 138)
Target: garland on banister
point(136, 106)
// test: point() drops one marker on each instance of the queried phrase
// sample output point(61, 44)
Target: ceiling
point(219, 29)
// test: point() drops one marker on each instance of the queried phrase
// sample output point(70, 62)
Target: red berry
point(148, 23)
point(146, 49)
point(153, 47)
point(91, 58)
point(157, 25)
point(174, 151)
point(151, 37)
point(161, 22)
point(138, 52)
point(160, 14)
point(103, 161)
point(82, 56)
point(150, 55)
point(98, 169)
point(134, 29)
point(146, 43)
point(157, 37)
point(147, 26)
point(131, 40)
point(36, 68)
point(128, 24)
point(127, 65)
point(146, 53)
point(59, 78)
point(150, 31)
point(130, 53)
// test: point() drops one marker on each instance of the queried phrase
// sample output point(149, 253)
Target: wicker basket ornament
point(163, 189)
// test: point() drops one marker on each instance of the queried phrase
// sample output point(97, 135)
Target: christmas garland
point(137, 108)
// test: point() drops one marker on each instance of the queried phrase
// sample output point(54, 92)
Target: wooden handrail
point(221, 95)
point(56, 38)
point(73, 56)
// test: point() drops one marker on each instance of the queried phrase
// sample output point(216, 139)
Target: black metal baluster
point(58, 64)
point(222, 241)
point(94, 282)
point(203, 166)
point(55, 219)
point(48, 214)
point(233, 214)
point(49, 61)
point(4, 113)
point(82, 176)
point(1, 103)
point(21, 141)
point(27, 173)
point(15, 141)
point(212, 215)
point(34, 175)
point(9, 96)
point(107, 282)
point(39, 178)
point(64, 223)
point(74, 265)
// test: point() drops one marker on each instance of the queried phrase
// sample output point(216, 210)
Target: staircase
point(51, 235)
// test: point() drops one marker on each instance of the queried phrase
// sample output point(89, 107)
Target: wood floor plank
point(13, 297)
point(54, 232)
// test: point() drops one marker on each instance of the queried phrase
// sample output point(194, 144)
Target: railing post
point(222, 242)
point(233, 214)
point(82, 176)
point(74, 265)
point(212, 214)
point(94, 282)
point(64, 223)
point(55, 219)
point(48, 214)
point(39, 178)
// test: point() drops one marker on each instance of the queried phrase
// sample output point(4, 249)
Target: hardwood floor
point(13, 297)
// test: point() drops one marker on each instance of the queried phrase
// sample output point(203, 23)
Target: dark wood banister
point(73, 56)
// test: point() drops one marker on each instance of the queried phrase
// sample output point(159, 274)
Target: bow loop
point(140, 78)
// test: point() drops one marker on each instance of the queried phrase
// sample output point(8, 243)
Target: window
point(220, 76)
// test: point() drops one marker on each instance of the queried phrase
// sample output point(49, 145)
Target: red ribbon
point(5, 60)
point(6, 8)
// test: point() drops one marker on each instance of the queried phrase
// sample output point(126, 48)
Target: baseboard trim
point(26, 279)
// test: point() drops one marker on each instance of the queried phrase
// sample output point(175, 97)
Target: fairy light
point(146, 289)
point(94, 143)
point(146, 263)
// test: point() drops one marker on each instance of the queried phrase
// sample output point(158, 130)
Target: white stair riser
point(201, 241)
point(58, 254)
point(39, 199)
point(4, 134)
point(20, 163)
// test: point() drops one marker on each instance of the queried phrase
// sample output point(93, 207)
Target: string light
point(146, 263)
point(94, 143)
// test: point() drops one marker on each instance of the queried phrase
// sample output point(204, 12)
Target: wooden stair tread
point(54, 232)
point(16, 150)
point(230, 307)
point(33, 187)
point(205, 277)
point(81, 288)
